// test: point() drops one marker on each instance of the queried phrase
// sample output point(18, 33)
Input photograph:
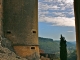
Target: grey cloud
point(56, 11)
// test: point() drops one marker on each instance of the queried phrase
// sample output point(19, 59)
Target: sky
point(56, 17)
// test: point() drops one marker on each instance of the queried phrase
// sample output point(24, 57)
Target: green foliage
point(73, 56)
point(63, 49)
point(48, 45)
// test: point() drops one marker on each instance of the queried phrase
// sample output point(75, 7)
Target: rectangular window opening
point(8, 32)
point(34, 31)
point(32, 47)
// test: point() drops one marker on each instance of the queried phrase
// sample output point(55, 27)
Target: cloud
point(66, 1)
point(58, 21)
point(69, 31)
point(69, 1)
point(45, 6)
point(48, 0)
point(56, 12)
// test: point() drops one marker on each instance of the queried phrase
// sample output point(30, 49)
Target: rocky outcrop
point(7, 43)
point(6, 54)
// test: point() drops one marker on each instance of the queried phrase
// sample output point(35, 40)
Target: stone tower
point(0, 17)
point(20, 26)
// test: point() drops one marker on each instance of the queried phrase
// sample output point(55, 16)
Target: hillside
point(52, 46)
point(48, 45)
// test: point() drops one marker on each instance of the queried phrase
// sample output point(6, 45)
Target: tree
point(63, 49)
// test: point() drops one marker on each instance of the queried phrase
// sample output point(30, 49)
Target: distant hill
point(73, 42)
point(48, 45)
point(52, 46)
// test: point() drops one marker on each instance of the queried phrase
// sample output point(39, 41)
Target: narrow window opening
point(34, 31)
point(32, 47)
point(8, 32)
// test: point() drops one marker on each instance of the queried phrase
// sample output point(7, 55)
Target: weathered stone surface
point(20, 21)
point(77, 25)
point(6, 50)
point(34, 56)
point(7, 43)
point(6, 54)
point(20, 26)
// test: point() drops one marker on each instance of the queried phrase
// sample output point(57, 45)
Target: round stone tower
point(20, 26)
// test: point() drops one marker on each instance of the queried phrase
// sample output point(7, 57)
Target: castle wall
point(20, 21)
point(20, 26)
point(0, 18)
point(77, 23)
point(28, 51)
